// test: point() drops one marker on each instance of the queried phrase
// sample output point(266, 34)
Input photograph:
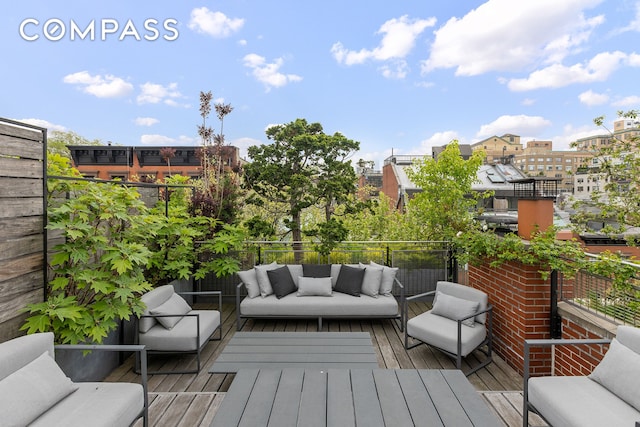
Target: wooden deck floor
point(192, 399)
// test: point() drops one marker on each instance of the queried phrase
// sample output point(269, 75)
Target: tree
point(303, 167)
point(447, 202)
point(58, 141)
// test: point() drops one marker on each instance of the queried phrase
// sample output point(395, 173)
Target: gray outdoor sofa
point(609, 396)
point(34, 390)
point(370, 295)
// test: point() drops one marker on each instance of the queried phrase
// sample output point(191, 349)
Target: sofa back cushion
point(152, 300)
point(316, 270)
point(629, 337)
point(619, 372)
point(465, 292)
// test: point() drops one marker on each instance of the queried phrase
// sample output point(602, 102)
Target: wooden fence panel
point(22, 234)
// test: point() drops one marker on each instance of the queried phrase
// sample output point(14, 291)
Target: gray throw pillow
point(455, 308)
point(174, 305)
point(32, 390)
point(263, 278)
point(388, 277)
point(314, 286)
point(350, 280)
point(250, 280)
point(619, 372)
point(371, 280)
point(281, 281)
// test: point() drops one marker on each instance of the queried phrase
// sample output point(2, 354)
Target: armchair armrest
point(419, 296)
point(137, 348)
point(205, 293)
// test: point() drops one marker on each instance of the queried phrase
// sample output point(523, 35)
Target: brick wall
point(521, 301)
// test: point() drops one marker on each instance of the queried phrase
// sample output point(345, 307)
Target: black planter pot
point(95, 366)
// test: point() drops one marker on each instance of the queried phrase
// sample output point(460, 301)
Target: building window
point(580, 188)
point(531, 167)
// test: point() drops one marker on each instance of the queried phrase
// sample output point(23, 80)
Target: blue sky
point(400, 75)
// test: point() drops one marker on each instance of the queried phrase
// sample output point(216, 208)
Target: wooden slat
point(417, 398)
point(21, 168)
point(232, 407)
point(449, 409)
point(367, 411)
point(285, 409)
point(19, 133)
point(475, 407)
point(340, 412)
point(392, 402)
point(21, 187)
point(313, 402)
point(263, 392)
point(11, 228)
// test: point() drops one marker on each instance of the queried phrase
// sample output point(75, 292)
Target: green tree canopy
point(447, 201)
point(302, 167)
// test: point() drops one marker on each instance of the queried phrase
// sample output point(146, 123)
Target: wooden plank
point(21, 207)
point(313, 402)
point(11, 228)
point(285, 405)
point(21, 187)
point(21, 168)
point(475, 407)
point(258, 408)
point(212, 410)
point(340, 410)
point(365, 399)
point(232, 407)
point(392, 402)
point(287, 349)
point(294, 358)
point(10, 307)
point(21, 133)
point(417, 398)
point(197, 409)
point(451, 413)
point(23, 272)
point(503, 408)
point(21, 246)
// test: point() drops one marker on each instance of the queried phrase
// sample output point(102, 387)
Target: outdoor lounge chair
point(459, 323)
point(170, 326)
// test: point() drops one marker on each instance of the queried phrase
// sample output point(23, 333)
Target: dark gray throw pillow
point(349, 280)
point(281, 282)
point(316, 270)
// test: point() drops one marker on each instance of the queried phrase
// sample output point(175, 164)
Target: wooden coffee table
point(304, 350)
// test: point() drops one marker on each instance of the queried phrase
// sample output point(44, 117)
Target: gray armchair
point(170, 326)
point(459, 323)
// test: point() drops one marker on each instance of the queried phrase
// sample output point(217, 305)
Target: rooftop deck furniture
point(169, 325)
point(305, 350)
point(35, 391)
point(350, 397)
point(373, 296)
point(609, 396)
point(459, 323)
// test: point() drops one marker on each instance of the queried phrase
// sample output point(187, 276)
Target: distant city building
point(145, 163)
point(498, 148)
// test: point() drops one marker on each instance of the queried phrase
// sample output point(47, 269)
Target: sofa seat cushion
point(443, 333)
point(579, 401)
point(98, 404)
point(338, 304)
point(183, 336)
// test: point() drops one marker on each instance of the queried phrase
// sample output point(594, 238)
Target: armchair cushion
point(314, 286)
point(184, 336)
point(441, 332)
point(174, 305)
point(455, 308)
point(281, 281)
point(32, 390)
point(619, 372)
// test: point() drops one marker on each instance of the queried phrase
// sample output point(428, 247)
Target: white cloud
point(146, 121)
point(598, 69)
point(591, 98)
point(153, 93)
point(215, 24)
point(44, 124)
point(243, 144)
point(507, 35)
point(269, 73)
point(528, 101)
point(107, 86)
point(628, 101)
point(634, 25)
point(398, 40)
point(155, 139)
point(438, 139)
point(519, 125)
point(571, 134)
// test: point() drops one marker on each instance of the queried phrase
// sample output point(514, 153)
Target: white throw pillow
point(314, 286)
point(388, 277)
point(263, 278)
point(372, 279)
point(619, 372)
point(455, 308)
point(174, 305)
point(250, 280)
point(32, 390)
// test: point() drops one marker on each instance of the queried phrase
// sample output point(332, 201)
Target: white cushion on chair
point(174, 305)
point(455, 308)
point(441, 332)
